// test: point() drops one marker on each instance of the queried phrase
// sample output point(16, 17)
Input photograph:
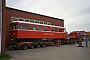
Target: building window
point(21, 26)
point(39, 28)
point(33, 28)
point(52, 29)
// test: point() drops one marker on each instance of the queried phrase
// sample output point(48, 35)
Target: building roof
point(34, 13)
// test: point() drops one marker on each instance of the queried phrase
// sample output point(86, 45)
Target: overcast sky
point(76, 13)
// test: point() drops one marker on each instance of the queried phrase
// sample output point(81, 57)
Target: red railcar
point(74, 37)
point(30, 33)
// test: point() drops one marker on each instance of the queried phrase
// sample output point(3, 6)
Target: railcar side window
point(36, 21)
point(32, 21)
point(52, 29)
point(60, 30)
point(33, 27)
point(45, 29)
point(26, 20)
point(39, 28)
point(21, 26)
point(21, 19)
point(41, 22)
point(45, 23)
point(49, 23)
point(56, 30)
point(27, 27)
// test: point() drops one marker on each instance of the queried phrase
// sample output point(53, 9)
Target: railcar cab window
point(64, 30)
point(13, 26)
point(39, 28)
point(33, 27)
point(21, 26)
point(52, 29)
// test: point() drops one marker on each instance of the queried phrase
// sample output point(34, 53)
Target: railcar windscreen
point(13, 26)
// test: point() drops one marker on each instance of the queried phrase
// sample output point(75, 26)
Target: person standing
point(80, 41)
point(86, 42)
point(58, 43)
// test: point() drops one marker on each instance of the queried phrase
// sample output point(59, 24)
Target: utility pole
point(0, 24)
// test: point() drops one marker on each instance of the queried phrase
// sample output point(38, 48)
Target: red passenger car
point(74, 37)
point(38, 33)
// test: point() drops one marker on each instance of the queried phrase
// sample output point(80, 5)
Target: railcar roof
point(37, 24)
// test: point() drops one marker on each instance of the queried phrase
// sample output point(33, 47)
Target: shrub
point(5, 57)
point(89, 38)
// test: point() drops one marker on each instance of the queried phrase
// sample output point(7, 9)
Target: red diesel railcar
point(22, 30)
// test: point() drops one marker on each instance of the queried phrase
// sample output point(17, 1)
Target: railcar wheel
point(38, 45)
point(15, 48)
point(43, 45)
point(24, 47)
point(31, 46)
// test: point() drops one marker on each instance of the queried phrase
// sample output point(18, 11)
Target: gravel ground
point(64, 52)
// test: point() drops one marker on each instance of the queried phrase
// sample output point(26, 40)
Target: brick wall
point(19, 13)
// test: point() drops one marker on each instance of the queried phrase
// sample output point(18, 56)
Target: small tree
point(89, 38)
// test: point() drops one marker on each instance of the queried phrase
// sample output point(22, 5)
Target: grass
point(5, 57)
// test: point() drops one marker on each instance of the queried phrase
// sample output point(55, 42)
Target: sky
point(76, 13)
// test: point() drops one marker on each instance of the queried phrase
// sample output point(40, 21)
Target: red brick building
point(8, 13)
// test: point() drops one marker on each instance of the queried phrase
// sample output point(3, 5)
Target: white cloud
point(75, 12)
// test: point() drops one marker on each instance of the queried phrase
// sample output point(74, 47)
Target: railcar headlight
point(14, 33)
point(9, 34)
